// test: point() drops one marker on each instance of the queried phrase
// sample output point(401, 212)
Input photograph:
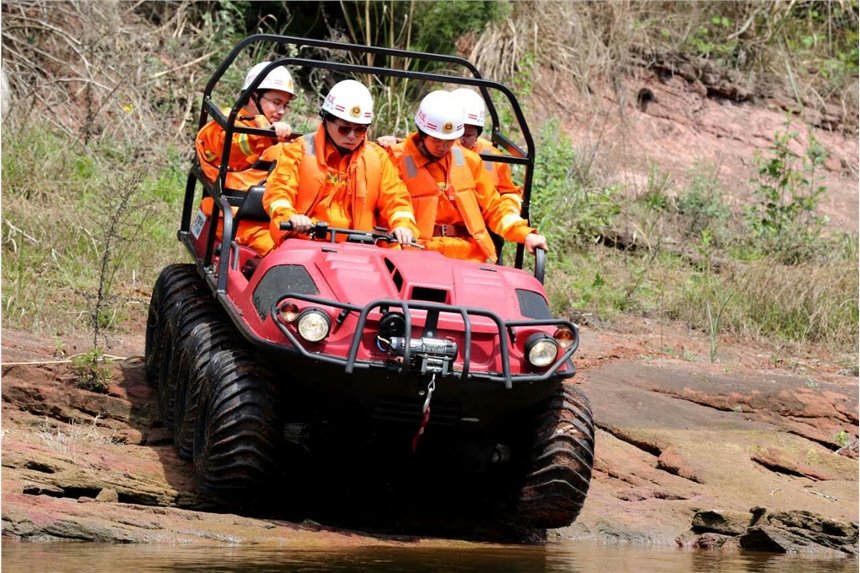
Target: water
point(579, 557)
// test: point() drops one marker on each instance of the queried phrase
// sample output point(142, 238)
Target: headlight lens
point(542, 351)
point(314, 325)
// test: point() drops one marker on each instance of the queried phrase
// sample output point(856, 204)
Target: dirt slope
point(670, 122)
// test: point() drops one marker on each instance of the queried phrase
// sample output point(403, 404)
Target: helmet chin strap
point(423, 148)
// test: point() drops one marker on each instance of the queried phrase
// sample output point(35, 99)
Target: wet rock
point(721, 522)
point(108, 495)
point(711, 541)
point(799, 531)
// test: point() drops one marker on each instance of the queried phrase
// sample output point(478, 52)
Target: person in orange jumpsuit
point(455, 201)
point(250, 155)
point(474, 115)
point(335, 176)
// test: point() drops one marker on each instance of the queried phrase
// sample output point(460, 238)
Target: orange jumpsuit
point(357, 191)
point(455, 202)
point(500, 175)
point(245, 150)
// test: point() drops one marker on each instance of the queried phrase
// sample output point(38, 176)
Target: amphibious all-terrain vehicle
point(331, 341)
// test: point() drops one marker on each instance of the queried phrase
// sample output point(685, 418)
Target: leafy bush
point(783, 222)
point(701, 207)
point(91, 373)
point(567, 205)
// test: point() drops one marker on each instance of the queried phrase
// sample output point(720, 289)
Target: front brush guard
point(504, 329)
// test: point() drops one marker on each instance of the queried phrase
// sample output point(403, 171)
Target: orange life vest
point(425, 193)
point(364, 180)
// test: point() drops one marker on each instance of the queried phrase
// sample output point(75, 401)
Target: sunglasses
point(345, 129)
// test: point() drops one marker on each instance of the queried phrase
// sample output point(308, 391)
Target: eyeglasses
point(277, 103)
point(345, 129)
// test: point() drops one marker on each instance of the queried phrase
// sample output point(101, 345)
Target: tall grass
point(58, 200)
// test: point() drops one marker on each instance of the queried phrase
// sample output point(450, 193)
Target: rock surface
point(675, 458)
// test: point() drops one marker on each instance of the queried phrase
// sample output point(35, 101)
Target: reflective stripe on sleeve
point(402, 215)
point(459, 160)
point(311, 145)
point(278, 204)
point(244, 145)
point(510, 220)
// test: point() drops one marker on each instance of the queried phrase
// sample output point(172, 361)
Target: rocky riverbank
point(730, 455)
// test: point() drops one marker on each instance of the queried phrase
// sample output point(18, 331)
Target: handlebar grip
point(286, 226)
point(540, 264)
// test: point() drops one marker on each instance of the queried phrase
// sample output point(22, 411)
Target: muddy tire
point(238, 434)
point(155, 322)
point(561, 458)
point(208, 331)
point(182, 292)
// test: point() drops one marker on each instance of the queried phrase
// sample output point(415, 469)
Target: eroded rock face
point(723, 522)
point(779, 532)
point(801, 531)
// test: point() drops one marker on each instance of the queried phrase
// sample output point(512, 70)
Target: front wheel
point(560, 461)
point(238, 431)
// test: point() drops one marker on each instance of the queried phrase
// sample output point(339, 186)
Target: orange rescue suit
point(500, 175)
point(242, 172)
point(356, 191)
point(456, 192)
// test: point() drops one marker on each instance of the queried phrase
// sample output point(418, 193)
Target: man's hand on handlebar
point(300, 223)
point(403, 235)
point(534, 241)
point(282, 130)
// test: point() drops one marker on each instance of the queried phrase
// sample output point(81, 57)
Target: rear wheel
point(210, 333)
point(181, 298)
point(238, 432)
point(559, 466)
point(170, 279)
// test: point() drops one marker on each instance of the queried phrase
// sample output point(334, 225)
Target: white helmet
point(350, 101)
point(278, 79)
point(440, 115)
point(474, 110)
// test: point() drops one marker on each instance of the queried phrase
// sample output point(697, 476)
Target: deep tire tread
point(560, 464)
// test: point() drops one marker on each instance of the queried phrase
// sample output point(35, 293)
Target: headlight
point(314, 325)
point(541, 350)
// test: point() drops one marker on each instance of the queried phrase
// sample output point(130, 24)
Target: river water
point(574, 557)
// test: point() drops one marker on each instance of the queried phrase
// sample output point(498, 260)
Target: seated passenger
point(265, 109)
point(454, 199)
point(335, 176)
point(474, 114)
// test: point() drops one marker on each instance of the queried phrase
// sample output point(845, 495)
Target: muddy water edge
point(580, 557)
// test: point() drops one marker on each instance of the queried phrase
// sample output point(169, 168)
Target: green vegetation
point(741, 277)
point(91, 373)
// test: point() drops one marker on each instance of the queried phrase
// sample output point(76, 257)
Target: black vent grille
point(279, 280)
point(533, 305)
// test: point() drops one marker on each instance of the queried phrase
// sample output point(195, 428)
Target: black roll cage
point(216, 189)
